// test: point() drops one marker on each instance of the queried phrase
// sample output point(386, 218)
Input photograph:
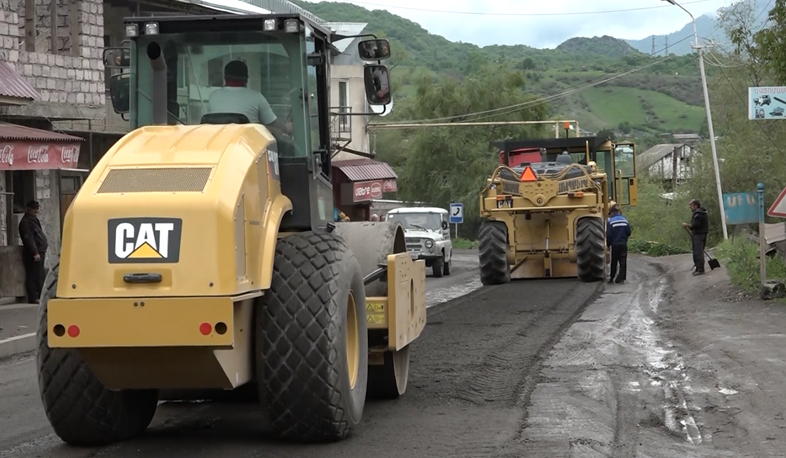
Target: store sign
point(24, 155)
point(369, 190)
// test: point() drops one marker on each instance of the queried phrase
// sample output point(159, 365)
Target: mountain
point(667, 97)
point(602, 46)
point(707, 27)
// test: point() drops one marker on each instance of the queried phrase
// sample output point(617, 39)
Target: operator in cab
point(236, 97)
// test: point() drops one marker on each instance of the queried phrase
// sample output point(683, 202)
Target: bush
point(651, 248)
point(742, 262)
point(464, 244)
point(656, 221)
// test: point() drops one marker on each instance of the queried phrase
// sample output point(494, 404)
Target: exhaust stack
point(159, 95)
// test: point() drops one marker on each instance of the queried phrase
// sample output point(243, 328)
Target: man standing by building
point(699, 226)
point(618, 231)
point(33, 251)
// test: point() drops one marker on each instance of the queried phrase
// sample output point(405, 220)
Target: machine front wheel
point(81, 410)
point(311, 340)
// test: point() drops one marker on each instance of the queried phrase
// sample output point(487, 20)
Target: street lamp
point(698, 47)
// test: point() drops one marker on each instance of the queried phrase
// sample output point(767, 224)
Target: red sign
point(369, 190)
point(24, 155)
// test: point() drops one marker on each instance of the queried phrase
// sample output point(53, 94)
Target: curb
point(19, 344)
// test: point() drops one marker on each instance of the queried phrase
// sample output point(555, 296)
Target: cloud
point(544, 31)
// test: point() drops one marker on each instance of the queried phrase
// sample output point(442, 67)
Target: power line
point(517, 107)
point(479, 13)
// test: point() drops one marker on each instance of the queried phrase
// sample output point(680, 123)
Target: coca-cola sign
point(24, 155)
point(363, 191)
point(7, 155)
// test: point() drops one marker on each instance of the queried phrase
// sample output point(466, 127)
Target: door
point(69, 187)
point(625, 174)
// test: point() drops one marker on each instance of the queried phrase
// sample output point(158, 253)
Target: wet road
point(472, 373)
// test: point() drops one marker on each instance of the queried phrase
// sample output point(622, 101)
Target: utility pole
point(699, 48)
point(653, 45)
point(667, 41)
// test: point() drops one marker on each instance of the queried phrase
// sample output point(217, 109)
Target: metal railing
point(340, 123)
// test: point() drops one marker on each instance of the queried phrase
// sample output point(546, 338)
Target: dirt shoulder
point(735, 348)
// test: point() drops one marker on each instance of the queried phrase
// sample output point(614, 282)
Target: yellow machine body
point(541, 217)
point(198, 208)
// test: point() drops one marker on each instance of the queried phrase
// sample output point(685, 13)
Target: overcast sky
point(549, 22)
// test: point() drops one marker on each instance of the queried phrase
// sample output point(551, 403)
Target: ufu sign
point(23, 155)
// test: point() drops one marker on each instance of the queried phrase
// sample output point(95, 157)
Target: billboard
point(767, 102)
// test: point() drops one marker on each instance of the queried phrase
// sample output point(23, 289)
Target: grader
point(201, 253)
point(547, 219)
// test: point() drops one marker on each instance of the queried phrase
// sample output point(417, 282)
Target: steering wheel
point(287, 146)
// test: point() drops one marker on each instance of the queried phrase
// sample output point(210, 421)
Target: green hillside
point(664, 97)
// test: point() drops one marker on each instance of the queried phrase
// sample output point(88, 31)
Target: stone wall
point(70, 86)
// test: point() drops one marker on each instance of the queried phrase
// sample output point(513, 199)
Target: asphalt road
point(472, 373)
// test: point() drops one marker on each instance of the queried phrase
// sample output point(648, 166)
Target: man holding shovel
point(699, 226)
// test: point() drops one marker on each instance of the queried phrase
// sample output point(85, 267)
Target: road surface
point(471, 375)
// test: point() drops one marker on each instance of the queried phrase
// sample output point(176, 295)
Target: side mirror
point(377, 80)
point(444, 225)
point(117, 57)
point(119, 91)
point(374, 49)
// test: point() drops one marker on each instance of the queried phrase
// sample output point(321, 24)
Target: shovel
point(714, 263)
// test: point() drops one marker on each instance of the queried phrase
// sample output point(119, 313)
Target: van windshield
point(428, 221)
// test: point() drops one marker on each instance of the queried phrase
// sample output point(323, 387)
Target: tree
point(528, 64)
point(450, 164)
point(607, 133)
point(770, 45)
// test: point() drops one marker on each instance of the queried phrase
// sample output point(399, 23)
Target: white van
point(427, 234)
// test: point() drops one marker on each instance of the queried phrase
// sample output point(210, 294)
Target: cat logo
point(144, 240)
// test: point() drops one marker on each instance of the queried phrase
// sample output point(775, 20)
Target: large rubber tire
point(81, 410)
point(493, 247)
point(301, 337)
point(446, 265)
point(591, 249)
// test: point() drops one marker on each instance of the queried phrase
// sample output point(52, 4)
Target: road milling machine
point(546, 218)
point(201, 252)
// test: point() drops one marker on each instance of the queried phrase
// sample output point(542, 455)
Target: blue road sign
point(741, 208)
point(767, 103)
point(456, 213)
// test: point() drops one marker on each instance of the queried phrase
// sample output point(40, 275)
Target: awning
point(365, 169)
point(369, 179)
point(14, 90)
point(25, 148)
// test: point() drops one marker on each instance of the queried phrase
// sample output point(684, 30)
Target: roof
point(651, 157)
point(417, 210)
point(16, 132)
point(365, 170)
point(13, 85)
point(346, 28)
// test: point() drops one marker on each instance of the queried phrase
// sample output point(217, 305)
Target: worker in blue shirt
point(618, 231)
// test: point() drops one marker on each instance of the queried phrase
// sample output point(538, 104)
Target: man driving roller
point(236, 97)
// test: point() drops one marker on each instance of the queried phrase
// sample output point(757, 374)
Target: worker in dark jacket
point(33, 251)
point(699, 227)
point(618, 231)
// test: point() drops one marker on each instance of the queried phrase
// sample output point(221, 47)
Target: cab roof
point(216, 22)
point(551, 143)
